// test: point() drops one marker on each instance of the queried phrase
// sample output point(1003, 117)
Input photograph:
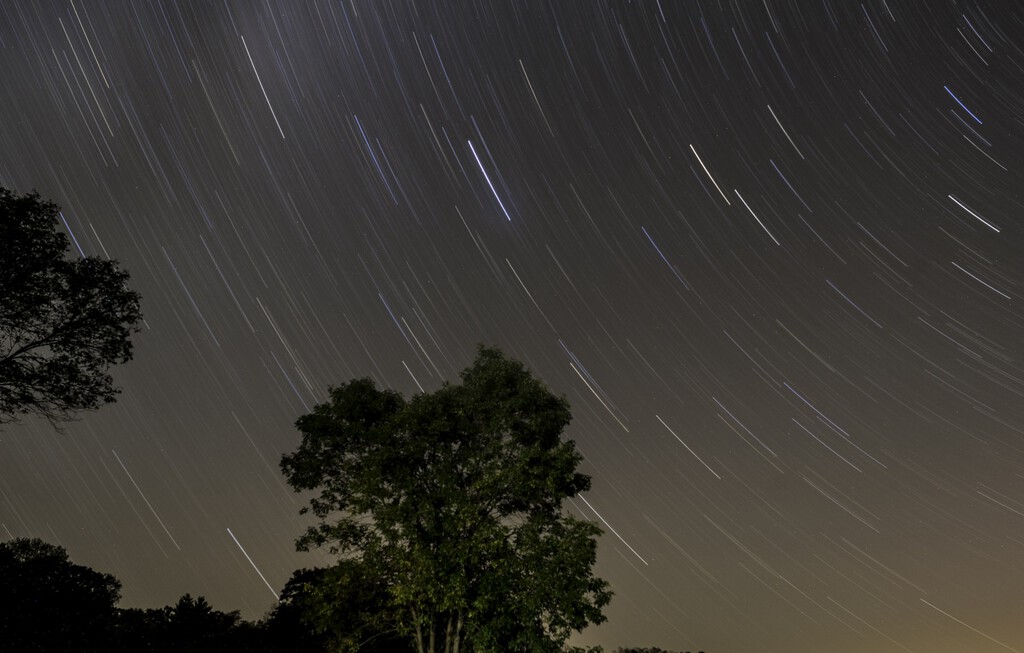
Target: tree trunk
point(432, 638)
point(419, 632)
point(448, 635)
point(458, 634)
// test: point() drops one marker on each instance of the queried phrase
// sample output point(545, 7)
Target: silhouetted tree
point(191, 625)
point(289, 625)
point(454, 500)
point(63, 321)
point(50, 604)
point(338, 609)
point(138, 630)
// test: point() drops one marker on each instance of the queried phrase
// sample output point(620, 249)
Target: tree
point(455, 500)
point(50, 604)
point(63, 321)
point(138, 630)
point(191, 625)
point(289, 625)
point(343, 608)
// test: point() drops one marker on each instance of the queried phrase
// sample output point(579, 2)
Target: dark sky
point(772, 253)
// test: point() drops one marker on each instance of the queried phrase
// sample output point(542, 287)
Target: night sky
point(771, 252)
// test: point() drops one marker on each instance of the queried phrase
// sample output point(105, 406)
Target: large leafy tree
point(455, 500)
point(63, 321)
point(49, 604)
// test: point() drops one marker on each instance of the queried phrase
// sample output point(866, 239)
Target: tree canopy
point(49, 604)
point(341, 608)
point(63, 321)
point(454, 499)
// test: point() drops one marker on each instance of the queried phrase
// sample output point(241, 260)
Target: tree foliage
point(290, 625)
point(191, 625)
point(49, 604)
point(455, 500)
point(63, 321)
point(344, 608)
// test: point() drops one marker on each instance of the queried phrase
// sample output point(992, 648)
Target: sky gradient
point(771, 252)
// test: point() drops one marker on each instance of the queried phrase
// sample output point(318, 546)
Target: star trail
point(771, 252)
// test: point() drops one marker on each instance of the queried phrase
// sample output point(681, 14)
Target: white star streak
point(1008, 648)
point(240, 548)
point(975, 215)
point(989, 286)
point(687, 446)
point(265, 96)
point(589, 387)
point(709, 175)
point(148, 504)
point(756, 218)
point(488, 178)
point(612, 529)
point(785, 132)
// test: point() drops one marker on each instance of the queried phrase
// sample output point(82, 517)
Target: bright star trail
point(802, 407)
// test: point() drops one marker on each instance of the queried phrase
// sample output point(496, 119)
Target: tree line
point(51, 605)
point(445, 511)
